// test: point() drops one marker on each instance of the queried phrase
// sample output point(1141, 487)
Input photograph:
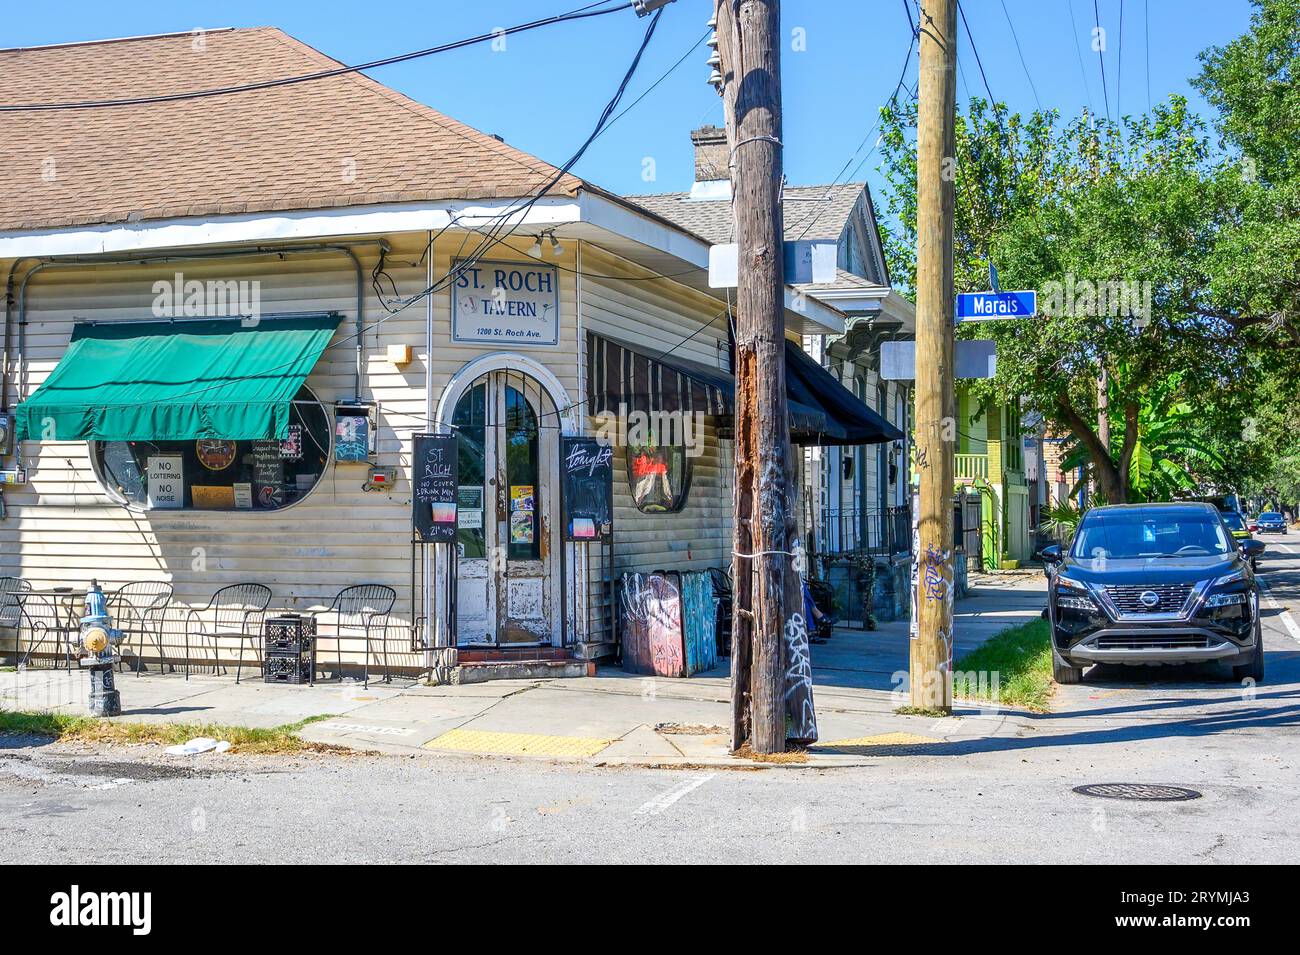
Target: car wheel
point(1065, 674)
point(1254, 670)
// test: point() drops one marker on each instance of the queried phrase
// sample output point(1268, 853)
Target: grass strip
point(1013, 668)
point(88, 729)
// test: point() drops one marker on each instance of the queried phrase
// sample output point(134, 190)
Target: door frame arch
point(438, 607)
point(471, 371)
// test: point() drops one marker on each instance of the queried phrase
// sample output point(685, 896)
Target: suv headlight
point(1236, 577)
point(1073, 594)
point(1232, 597)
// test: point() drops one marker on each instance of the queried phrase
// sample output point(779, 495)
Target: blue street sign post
point(992, 306)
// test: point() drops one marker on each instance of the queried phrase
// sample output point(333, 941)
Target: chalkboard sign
point(587, 489)
point(434, 479)
point(268, 474)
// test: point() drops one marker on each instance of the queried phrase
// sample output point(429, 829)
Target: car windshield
point(1234, 521)
point(1270, 516)
point(1150, 533)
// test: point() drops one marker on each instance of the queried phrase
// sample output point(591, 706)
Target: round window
point(218, 475)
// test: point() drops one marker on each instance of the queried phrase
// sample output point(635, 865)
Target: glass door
point(508, 449)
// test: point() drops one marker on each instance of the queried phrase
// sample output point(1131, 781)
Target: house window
point(219, 475)
point(659, 477)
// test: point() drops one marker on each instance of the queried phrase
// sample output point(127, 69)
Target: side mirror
point(1251, 547)
point(1051, 554)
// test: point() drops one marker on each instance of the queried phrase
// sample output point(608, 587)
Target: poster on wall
point(586, 489)
point(435, 489)
point(165, 480)
point(513, 303)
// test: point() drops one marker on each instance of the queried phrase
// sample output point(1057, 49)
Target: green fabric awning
point(177, 380)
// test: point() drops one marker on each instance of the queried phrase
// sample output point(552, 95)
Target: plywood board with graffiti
point(651, 624)
point(699, 622)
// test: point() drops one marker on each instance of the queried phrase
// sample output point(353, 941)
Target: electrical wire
point(1020, 53)
point(1119, 60)
point(581, 13)
point(993, 102)
point(1101, 60)
point(495, 236)
point(1078, 52)
point(902, 75)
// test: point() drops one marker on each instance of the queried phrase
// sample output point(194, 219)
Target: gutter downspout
point(9, 311)
point(147, 259)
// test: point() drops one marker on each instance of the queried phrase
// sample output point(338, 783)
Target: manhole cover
point(1144, 792)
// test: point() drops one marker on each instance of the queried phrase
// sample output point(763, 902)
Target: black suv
point(1152, 584)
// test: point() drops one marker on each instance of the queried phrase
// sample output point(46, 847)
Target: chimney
point(711, 154)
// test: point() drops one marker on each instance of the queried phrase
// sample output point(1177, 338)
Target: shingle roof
point(811, 212)
point(843, 280)
point(343, 141)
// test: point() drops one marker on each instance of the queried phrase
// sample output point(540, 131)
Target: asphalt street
point(1001, 798)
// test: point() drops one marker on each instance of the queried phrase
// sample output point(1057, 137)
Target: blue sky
point(545, 90)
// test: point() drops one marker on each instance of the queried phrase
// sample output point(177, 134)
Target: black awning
point(639, 380)
point(848, 420)
point(822, 411)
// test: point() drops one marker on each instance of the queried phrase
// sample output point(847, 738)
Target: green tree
point(1160, 254)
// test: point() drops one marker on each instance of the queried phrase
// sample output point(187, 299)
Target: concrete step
point(484, 671)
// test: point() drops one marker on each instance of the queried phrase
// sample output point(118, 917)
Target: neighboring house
point(855, 498)
point(990, 462)
point(220, 353)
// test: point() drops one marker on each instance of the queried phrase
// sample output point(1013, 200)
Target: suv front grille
point(1176, 641)
point(1127, 598)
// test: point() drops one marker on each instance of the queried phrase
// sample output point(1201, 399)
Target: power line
point(492, 237)
point(646, 92)
point(581, 13)
point(902, 76)
point(980, 63)
point(1101, 60)
point(1078, 52)
point(1119, 77)
point(1020, 53)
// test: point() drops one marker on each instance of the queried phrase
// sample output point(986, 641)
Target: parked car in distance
point(1154, 584)
point(1240, 532)
point(1270, 522)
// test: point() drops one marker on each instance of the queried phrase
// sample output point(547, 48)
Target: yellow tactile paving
point(886, 744)
point(517, 744)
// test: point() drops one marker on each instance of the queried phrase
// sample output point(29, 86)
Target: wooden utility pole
point(766, 584)
point(936, 427)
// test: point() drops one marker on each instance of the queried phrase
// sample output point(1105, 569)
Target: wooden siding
point(660, 315)
point(63, 528)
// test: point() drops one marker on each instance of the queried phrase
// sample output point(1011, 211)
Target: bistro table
point(61, 604)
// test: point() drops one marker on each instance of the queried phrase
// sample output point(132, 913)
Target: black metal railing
point(876, 531)
point(883, 532)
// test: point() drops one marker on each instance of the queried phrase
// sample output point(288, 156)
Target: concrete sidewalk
point(610, 719)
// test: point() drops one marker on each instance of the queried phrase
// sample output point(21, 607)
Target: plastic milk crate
point(289, 649)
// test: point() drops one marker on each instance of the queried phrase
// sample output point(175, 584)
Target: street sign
point(991, 306)
point(976, 358)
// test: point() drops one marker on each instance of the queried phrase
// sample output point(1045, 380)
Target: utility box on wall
point(355, 427)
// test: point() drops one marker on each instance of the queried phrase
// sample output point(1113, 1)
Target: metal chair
point(43, 616)
point(232, 610)
point(12, 590)
point(138, 609)
point(364, 609)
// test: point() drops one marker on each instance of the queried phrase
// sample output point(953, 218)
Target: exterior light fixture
point(556, 249)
